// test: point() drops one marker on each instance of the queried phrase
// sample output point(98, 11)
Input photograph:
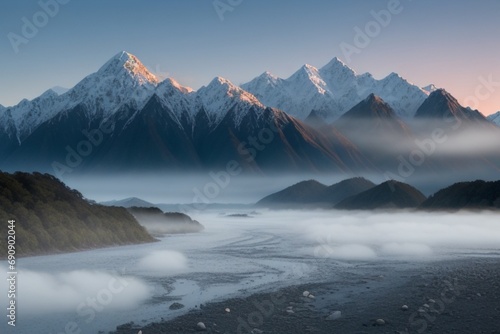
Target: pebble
point(176, 306)
point(311, 296)
point(405, 307)
point(334, 315)
point(380, 322)
point(305, 293)
point(227, 310)
point(201, 326)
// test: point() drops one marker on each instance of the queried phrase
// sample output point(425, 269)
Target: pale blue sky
point(448, 43)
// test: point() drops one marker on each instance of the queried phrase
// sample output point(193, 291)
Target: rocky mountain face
point(123, 119)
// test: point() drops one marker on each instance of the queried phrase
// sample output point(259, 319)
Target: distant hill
point(466, 195)
point(52, 218)
point(388, 195)
point(312, 194)
point(129, 202)
point(441, 105)
point(159, 223)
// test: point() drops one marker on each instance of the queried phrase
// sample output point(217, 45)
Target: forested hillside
point(51, 218)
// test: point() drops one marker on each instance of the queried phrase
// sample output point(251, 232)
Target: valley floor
point(451, 296)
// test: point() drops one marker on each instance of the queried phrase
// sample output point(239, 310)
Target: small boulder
point(228, 310)
point(335, 315)
point(201, 326)
point(305, 293)
point(405, 307)
point(380, 322)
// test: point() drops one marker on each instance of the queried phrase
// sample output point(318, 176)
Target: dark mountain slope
point(388, 195)
point(313, 194)
point(466, 195)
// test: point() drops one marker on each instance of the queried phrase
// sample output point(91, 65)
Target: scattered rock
point(139, 332)
point(432, 301)
point(256, 331)
point(290, 311)
point(176, 306)
point(305, 293)
point(380, 322)
point(426, 305)
point(405, 307)
point(334, 316)
point(228, 310)
point(311, 296)
point(201, 326)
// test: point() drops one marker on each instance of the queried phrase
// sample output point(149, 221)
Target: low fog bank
point(406, 235)
point(374, 235)
point(181, 191)
point(232, 244)
point(76, 292)
point(89, 292)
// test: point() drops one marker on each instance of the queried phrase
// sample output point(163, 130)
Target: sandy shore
point(459, 296)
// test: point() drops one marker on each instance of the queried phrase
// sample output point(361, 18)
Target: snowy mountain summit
point(332, 90)
point(123, 80)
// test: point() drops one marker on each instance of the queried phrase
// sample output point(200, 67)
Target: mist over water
point(262, 252)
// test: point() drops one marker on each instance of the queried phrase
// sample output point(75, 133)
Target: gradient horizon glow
point(452, 44)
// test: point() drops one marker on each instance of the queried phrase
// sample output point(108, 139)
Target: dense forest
point(50, 217)
point(159, 223)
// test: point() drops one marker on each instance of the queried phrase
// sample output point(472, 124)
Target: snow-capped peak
point(222, 96)
point(173, 83)
point(495, 118)
point(336, 65)
point(429, 88)
point(303, 78)
point(122, 80)
point(223, 87)
point(130, 63)
point(334, 89)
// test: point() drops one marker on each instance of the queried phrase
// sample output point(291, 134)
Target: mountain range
point(122, 118)
point(361, 194)
point(334, 89)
